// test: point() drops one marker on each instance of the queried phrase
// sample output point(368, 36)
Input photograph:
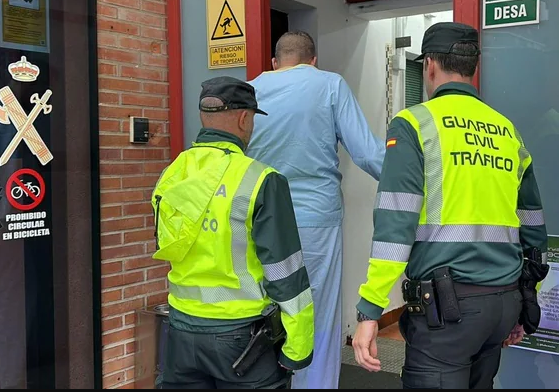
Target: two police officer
point(458, 209)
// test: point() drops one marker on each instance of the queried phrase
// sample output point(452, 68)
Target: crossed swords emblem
point(12, 110)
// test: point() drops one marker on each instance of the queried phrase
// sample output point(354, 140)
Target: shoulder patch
point(391, 142)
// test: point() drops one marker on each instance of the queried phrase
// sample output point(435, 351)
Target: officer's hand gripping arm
point(285, 277)
point(396, 217)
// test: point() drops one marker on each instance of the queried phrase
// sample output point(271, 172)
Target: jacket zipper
point(158, 200)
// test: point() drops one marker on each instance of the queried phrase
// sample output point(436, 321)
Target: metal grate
point(391, 355)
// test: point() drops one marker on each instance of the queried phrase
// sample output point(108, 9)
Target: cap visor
point(420, 57)
point(260, 112)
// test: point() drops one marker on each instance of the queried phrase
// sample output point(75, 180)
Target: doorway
point(279, 26)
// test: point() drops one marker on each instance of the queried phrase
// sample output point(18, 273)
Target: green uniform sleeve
point(533, 231)
point(286, 281)
point(396, 216)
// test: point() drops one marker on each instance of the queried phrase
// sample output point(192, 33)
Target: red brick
point(111, 268)
point(107, 69)
point(158, 272)
point(122, 251)
point(112, 380)
point(114, 141)
point(157, 114)
point(157, 299)
point(130, 319)
point(151, 6)
point(140, 182)
point(154, 60)
point(111, 183)
point(111, 212)
point(138, 209)
point(113, 352)
point(125, 3)
point(119, 84)
point(111, 240)
point(119, 112)
point(133, 154)
point(156, 88)
point(123, 56)
point(121, 224)
point(118, 364)
point(121, 196)
point(122, 307)
point(142, 100)
point(111, 324)
point(150, 32)
point(149, 220)
point(141, 17)
point(138, 236)
point(128, 385)
point(109, 125)
point(118, 26)
point(111, 296)
point(130, 373)
point(121, 280)
point(141, 73)
point(120, 169)
point(160, 141)
point(140, 262)
point(106, 10)
point(134, 44)
point(110, 155)
point(118, 336)
point(108, 98)
point(155, 167)
point(144, 288)
point(104, 38)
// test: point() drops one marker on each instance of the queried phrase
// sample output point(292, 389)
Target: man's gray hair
point(296, 45)
point(211, 102)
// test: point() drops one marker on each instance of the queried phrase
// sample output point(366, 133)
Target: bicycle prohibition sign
point(18, 189)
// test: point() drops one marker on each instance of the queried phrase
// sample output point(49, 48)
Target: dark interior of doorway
point(280, 25)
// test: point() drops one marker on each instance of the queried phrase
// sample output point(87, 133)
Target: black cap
point(234, 93)
point(441, 38)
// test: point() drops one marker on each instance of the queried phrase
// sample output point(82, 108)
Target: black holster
point(435, 299)
point(533, 272)
point(270, 335)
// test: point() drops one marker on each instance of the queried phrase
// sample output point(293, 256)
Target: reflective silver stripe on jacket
point(285, 268)
point(530, 217)
point(390, 251)
point(295, 305)
point(433, 163)
point(399, 201)
point(467, 233)
point(249, 289)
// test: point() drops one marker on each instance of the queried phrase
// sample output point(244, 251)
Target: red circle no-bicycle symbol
point(24, 185)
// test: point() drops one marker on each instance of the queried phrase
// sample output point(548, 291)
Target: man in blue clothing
point(310, 111)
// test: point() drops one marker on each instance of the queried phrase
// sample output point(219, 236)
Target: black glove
point(533, 272)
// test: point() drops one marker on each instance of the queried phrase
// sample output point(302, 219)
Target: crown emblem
point(23, 70)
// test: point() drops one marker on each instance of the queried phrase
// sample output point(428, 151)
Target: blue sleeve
point(365, 149)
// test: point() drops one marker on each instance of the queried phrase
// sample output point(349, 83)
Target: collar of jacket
point(456, 88)
point(214, 136)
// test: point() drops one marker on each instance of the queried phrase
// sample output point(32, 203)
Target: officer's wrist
point(363, 317)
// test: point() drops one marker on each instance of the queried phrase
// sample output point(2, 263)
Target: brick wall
point(133, 75)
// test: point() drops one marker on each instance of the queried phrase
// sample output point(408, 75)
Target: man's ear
point(313, 61)
point(243, 119)
point(275, 64)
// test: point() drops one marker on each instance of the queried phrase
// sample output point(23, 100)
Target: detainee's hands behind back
point(365, 345)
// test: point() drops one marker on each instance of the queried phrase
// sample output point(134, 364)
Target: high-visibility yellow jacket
point(225, 222)
point(457, 189)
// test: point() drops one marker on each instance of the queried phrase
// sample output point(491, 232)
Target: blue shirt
point(309, 112)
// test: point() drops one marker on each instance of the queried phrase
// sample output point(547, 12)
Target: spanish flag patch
point(391, 142)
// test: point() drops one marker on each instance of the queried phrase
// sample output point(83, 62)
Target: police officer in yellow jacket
point(225, 222)
point(457, 210)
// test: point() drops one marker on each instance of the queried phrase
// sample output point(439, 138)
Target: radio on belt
point(139, 130)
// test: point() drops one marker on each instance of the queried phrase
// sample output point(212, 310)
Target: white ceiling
point(385, 9)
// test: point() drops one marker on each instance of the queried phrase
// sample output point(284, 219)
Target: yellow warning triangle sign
point(227, 25)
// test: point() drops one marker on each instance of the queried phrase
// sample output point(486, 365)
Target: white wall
point(355, 48)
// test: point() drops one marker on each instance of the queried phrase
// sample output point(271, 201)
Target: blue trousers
point(322, 255)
